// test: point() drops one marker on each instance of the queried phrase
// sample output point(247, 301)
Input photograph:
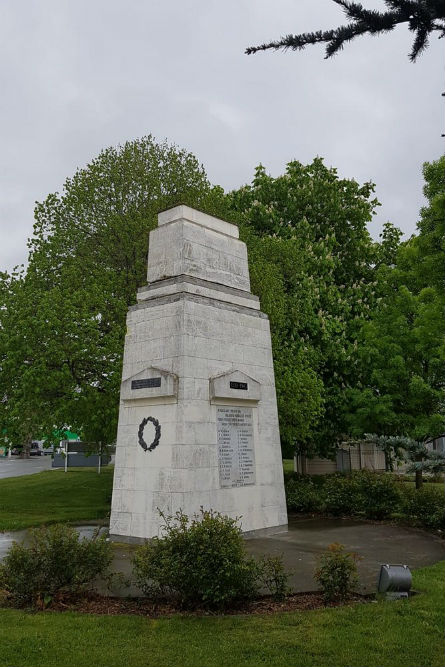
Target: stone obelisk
point(198, 422)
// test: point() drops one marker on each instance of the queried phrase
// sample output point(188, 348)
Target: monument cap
point(183, 212)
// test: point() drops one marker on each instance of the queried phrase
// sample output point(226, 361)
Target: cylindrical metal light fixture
point(394, 581)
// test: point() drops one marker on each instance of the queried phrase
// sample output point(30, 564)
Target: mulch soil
point(114, 606)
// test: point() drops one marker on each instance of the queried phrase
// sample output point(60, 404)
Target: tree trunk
point(389, 464)
point(26, 449)
point(419, 479)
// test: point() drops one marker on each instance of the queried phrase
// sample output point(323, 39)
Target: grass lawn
point(407, 633)
point(51, 496)
point(429, 485)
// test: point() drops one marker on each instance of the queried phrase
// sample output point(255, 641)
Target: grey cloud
point(79, 76)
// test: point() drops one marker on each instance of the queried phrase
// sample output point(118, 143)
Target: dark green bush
point(302, 495)
point(342, 495)
point(360, 493)
point(379, 494)
point(367, 494)
point(337, 573)
point(56, 560)
point(423, 507)
point(202, 562)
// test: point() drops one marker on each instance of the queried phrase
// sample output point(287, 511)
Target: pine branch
point(344, 34)
point(420, 42)
point(422, 16)
point(370, 17)
point(407, 7)
point(294, 42)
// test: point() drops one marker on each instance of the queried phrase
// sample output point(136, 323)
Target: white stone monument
point(198, 423)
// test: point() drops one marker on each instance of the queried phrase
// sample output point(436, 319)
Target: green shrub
point(362, 492)
point(302, 495)
point(337, 573)
point(423, 507)
point(342, 495)
point(56, 560)
point(379, 494)
point(367, 494)
point(274, 577)
point(202, 562)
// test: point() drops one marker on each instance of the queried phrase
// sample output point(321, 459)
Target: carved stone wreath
point(141, 441)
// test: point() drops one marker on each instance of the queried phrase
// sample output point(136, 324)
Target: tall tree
point(313, 226)
point(402, 348)
point(62, 323)
point(275, 279)
point(422, 17)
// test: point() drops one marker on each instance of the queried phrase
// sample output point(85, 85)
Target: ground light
point(394, 581)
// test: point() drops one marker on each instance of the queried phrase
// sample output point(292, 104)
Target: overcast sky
point(79, 75)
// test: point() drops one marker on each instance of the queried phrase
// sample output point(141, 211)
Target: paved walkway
point(16, 467)
point(376, 543)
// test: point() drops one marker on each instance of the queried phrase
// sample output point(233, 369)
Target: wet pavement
point(16, 467)
point(303, 543)
point(377, 544)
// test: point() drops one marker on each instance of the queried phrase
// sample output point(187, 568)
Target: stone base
point(250, 534)
point(265, 532)
point(126, 539)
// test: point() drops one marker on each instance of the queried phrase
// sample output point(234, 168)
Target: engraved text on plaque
point(235, 446)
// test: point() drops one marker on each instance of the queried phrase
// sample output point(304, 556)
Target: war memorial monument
point(198, 422)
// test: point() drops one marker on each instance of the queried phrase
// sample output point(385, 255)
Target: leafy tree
point(423, 17)
point(17, 416)
point(312, 226)
point(421, 260)
point(272, 263)
point(401, 357)
point(401, 347)
point(62, 322)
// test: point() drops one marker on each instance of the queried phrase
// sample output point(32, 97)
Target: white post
point(66, 457)
point(100, 457)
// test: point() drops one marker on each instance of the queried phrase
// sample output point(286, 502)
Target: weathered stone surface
point(193, 285)
point(235, 386)
point(198, 328)
point(192, 243)
point(183, 212)
point(149, 383)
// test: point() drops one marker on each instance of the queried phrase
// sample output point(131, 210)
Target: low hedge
point(423, 507)
point(302, 495)
point(366, 494)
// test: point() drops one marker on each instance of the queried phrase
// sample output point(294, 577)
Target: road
point(16, 467)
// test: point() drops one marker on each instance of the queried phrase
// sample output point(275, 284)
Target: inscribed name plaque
point(235, 446)
point(146, 383)
point(239, 385)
